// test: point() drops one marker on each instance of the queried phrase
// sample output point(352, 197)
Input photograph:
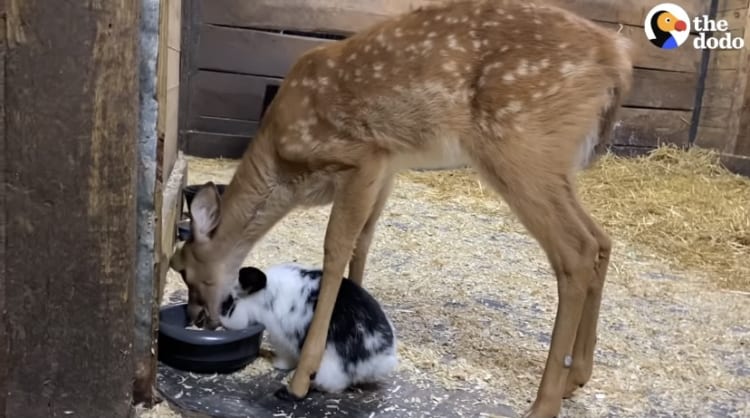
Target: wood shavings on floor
point(473, 300)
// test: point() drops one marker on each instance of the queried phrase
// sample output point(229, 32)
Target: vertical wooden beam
point(738, 116)
point(146, 283)
point(188, 45)
point(71, 92)
point(3, 331)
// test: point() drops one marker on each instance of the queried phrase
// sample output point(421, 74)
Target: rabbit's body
point(361, 345)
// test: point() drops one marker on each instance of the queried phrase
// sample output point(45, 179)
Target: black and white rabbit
point(361, 346)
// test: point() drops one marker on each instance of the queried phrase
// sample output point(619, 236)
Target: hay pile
point(683, 208)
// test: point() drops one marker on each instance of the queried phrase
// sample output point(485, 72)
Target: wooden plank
point(662, 89)
point(648, 56)
point(237, 50)
point(714, 116)
point(173, 68)
point(171, 205)
point(732, 5)
point(212, 145)
point(322, 15)
point(4, 348)
point(742, 146)
point(736, 163)
point(712, 138)
point(630, 151)
point(742, 138)
point(174, 30)
point(152, 86)
point(171, 129)
point(71, 230)
point(634, 13)
point(648, 127)
point(305, 18)
point(188, 46)
point(719, 99)
point(226, 126)
point(737, 117)
point(162, 73)
point(351, 16)
point(723, 80)
point(227, 95)
point(735, 18)
point(724, 59)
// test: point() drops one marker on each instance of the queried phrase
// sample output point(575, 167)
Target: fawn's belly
point(443, 153)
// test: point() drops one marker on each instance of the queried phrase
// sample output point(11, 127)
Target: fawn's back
point(424, 86)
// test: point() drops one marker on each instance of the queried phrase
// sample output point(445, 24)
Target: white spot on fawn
point(567, 67)
point(453, 44)
point(331, 64)
point(449, 66)
point(523, 68)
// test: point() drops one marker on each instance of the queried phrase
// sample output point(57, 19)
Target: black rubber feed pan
point(183, 230)
point(190, 191)
point(204, 351)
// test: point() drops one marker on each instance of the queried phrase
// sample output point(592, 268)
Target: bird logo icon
point(667, 26)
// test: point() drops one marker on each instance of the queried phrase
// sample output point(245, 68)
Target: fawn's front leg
point(352, 204)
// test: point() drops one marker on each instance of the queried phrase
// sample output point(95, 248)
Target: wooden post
point(145, 298)
point(3, 330)
point(71, 123)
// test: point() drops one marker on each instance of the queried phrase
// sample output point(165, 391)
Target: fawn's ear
point(252, 280)
point(205, 212)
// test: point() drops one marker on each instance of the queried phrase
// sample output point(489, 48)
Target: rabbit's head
point(240, 301)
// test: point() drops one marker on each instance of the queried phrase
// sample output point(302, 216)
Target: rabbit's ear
point(252, 280)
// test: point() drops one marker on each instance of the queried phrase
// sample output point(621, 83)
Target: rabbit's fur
point(361, 346)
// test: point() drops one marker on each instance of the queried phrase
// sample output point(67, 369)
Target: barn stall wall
point(236, 53)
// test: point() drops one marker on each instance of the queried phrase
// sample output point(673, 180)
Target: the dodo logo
point(667, 26)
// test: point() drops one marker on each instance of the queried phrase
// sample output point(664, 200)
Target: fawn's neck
point(252, 204)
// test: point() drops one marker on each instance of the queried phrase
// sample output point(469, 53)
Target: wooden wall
point(232, 57)
point(725, 118)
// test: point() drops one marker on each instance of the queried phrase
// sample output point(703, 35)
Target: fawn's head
point(201, 263)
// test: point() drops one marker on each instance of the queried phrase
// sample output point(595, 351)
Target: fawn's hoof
point(285, 395)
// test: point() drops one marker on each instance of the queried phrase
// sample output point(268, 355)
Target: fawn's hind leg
point(583, 351)
point(536, 182)
point(362, 248)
